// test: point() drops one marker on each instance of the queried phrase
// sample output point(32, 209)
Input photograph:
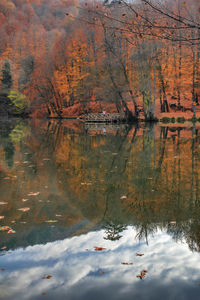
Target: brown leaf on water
point(2, 269)
point(43, 294)
point(126, 263)
point(24, 209)
point(33, 194)
point(102, 272)
point(47, 277)
point(142, 274)
point(4, 228)
point(11, 231)
point(51, 221)
point(173, 222)
point(99, 248)
point(24, 200)
point(3, 248)
point(139, 254)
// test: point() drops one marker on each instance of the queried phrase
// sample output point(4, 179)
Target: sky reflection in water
point(76, 269)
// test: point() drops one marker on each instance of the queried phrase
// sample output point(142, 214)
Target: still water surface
point(131, 192)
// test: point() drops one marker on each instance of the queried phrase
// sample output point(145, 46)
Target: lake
point(99, 211)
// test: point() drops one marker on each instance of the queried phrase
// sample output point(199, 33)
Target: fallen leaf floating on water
point(126, 263)
point(33, 194)
point(123, 197)
point(4, 228)
point(24, 200)
point(51, 221)
point(47, 277)
point(102, 272)
point(99, 248)
point(3, 203)
point(43, 293)
point(24, 209)
point(1, 217)
point(142, 274)
point(139, 254)
point(11, 231)
point(173, 222)
point(3, 248)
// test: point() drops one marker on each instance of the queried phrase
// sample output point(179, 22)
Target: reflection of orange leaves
point(126, 263)
point(99, 248)
point(47, 277)
point(102, 272)
point(139, 254)
point(142, 274)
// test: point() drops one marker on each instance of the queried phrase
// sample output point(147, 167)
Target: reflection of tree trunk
point(164, 134)
point(116, 159)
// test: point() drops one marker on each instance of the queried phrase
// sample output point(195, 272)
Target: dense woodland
point(67, 57)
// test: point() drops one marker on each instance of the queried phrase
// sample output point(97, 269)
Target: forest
point(64, 58)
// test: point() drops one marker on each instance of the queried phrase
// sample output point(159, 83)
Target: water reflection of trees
point(146, 176)
point(157, 168)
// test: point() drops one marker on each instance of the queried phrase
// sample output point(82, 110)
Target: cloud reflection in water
point(173, 271)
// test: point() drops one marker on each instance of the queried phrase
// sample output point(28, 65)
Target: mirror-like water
point(67, 188)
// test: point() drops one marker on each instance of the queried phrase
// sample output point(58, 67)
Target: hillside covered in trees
point(66, 57)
